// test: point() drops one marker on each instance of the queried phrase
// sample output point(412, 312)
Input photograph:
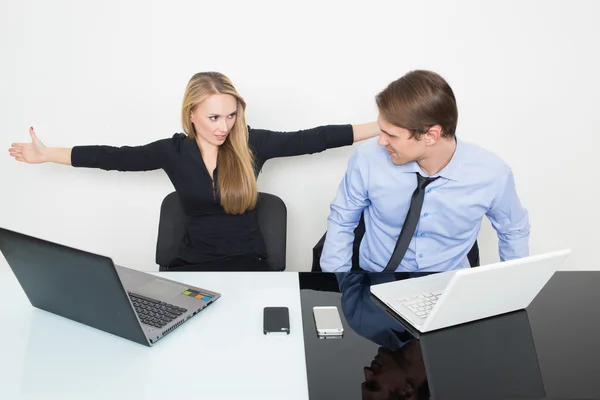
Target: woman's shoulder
point(176, 141)
point(173, 144)
point(178, 138)
point(253, 132)
point(255, 135)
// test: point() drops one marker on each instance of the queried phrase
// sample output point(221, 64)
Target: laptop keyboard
point(421, 304)
point(153, 312)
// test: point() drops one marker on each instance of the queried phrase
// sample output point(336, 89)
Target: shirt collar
point(450, 171)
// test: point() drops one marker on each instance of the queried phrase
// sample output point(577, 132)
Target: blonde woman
point(213, 167)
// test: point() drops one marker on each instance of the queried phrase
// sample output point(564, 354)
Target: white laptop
point(445, 299)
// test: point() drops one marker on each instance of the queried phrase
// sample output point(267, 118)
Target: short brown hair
point(417, 101)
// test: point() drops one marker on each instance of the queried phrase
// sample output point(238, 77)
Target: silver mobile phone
point(328, 322)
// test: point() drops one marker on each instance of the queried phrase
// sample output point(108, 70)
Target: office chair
point(272, 220)
point(359, 231)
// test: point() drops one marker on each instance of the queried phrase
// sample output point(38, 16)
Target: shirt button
point(420, 255)
point(423, 234)
point(429, 191)
point(426, 214)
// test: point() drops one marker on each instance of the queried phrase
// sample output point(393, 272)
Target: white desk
point(219, 354)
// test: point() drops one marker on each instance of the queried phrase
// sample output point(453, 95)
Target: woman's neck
point(208, 151)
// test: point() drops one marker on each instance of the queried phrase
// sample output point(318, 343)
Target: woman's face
point(214, 118)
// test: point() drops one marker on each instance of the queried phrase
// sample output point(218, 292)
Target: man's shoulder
point(367, 156)
point(370, 151)
point(479, 157)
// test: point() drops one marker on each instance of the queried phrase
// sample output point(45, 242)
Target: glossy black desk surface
point(551, 350)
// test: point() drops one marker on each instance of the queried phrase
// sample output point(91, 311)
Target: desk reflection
point(397, 370)
point(492, 359)
point(377, 358)
point(396, 374)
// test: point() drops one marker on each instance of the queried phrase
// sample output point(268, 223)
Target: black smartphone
point(276, 320)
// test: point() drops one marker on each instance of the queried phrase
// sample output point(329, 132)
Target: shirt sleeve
point(345, 211)
point(125, 158)
point(272, 144)
point(510, 220)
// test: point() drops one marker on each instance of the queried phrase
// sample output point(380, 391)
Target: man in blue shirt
point(418, 119)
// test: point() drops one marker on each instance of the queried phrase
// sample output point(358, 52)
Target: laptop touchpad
point(160, 290)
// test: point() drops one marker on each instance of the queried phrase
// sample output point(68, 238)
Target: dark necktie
point(410, 223)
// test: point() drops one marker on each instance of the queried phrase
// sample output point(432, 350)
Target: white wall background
point(113, 72)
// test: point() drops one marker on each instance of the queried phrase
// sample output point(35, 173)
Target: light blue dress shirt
point(474, 184)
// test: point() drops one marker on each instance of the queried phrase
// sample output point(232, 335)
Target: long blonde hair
point(237, 182)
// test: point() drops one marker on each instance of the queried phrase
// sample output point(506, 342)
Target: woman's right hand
point(31, 153)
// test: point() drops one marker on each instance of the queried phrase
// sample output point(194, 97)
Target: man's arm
point(510, 220)
point(351, 200)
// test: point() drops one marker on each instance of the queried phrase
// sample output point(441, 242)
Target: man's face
point(386, 374)
point(401, 147)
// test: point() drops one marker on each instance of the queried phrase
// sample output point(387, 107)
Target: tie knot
point(422, 181)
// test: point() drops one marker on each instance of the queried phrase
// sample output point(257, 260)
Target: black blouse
point(211, 234)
